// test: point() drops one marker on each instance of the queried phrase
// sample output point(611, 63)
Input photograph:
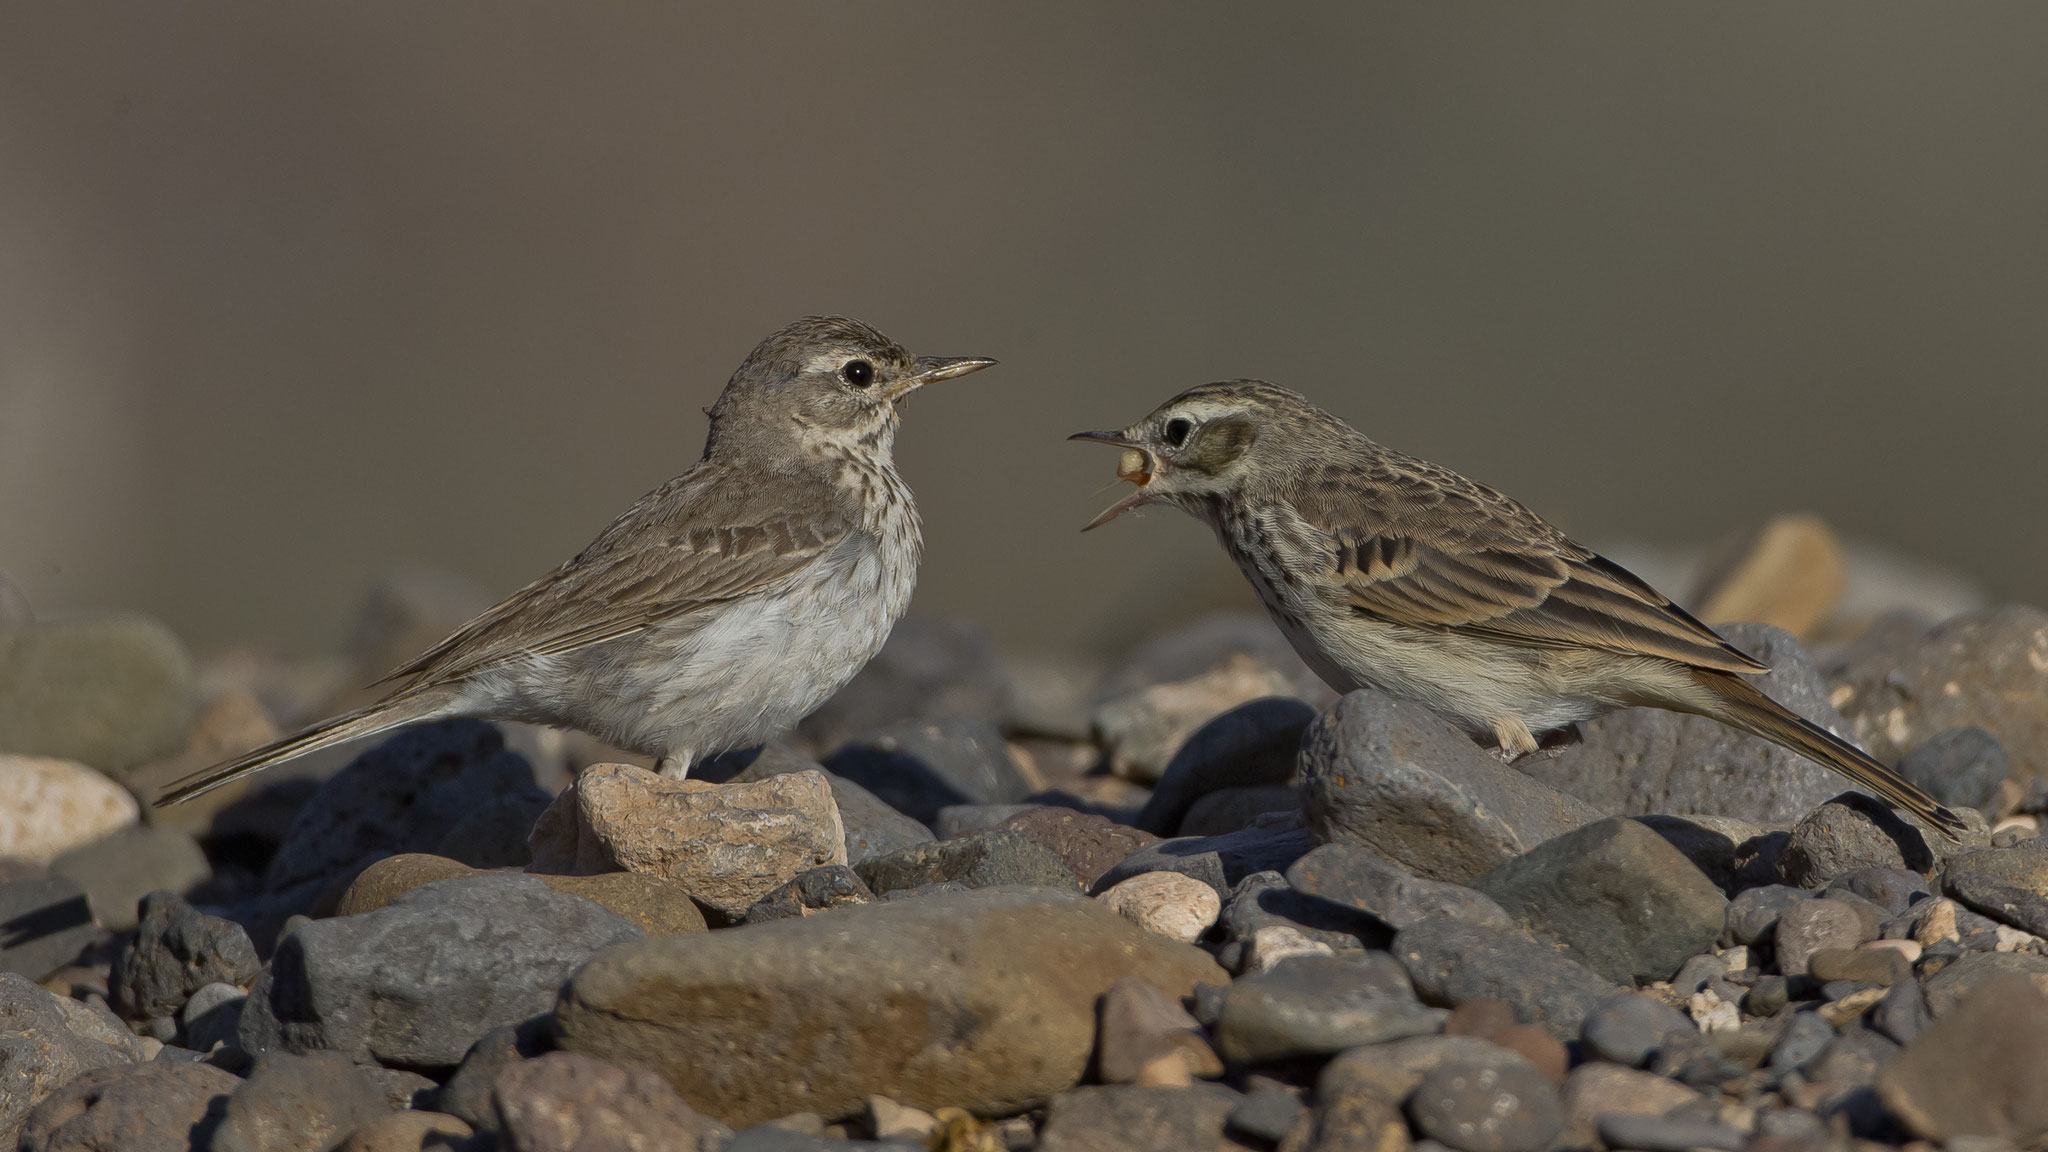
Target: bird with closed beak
point(1392, 573)
point(725, 604)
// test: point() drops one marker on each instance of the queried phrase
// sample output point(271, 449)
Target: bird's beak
point(931, 368)
point(1138, 465)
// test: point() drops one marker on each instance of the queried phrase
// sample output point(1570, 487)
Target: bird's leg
point(674, 766)
point(1512, 738)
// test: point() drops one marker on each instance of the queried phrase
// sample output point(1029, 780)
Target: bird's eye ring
point(858, 373)
point(1177, 430)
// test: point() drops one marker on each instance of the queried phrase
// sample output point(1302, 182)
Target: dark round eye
point(1177, 431)
point(858, 373)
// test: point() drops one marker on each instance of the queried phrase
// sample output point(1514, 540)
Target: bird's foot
point(673, 767)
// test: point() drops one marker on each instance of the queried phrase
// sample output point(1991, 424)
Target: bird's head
point(833, 380)
point(1210, 441)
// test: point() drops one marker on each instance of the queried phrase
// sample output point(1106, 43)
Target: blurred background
point(294, 294)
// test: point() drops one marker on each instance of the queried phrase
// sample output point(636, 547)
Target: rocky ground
point(1186, 902)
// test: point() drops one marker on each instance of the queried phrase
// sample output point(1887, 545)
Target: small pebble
point(1176, 906)
point(1276, 942)
point(1712, 1013)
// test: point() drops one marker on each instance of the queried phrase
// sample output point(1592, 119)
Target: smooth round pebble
point(1510, 1108)
point(1176, 906)
point(56, 805)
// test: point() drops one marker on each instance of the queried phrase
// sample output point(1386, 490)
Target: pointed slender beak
point(933, 368)
point(1137, 465)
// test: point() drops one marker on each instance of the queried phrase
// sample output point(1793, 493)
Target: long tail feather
point(1743, 705)
point(379, 717)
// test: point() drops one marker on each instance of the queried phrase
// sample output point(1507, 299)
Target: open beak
point(1137, 465)
point(931, 368)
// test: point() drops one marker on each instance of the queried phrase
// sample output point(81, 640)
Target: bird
point(722, 606)
point(1392, 573)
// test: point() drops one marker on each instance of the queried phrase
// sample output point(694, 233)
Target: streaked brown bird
point(726, 603)
point(1390, 572)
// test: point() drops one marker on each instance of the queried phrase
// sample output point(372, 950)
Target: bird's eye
point(1177, 431)
point(858, 373)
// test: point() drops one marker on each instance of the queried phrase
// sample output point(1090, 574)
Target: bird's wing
point(1419, 545)
point(687, 545)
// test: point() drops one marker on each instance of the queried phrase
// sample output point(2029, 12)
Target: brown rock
point(1981, 1070)
point(1148, 1038)
point(1787, 572)
point(1596, 1090)
point(727, 844)
point(131, 1107)
point(1884, 966)
point(1087, 844)
point(564, 1101)
point(1357, 1122)
point(982, 999)
point(394, 876)
point(1129, 1118)
point(657, 907)
point(408, 1132)
point(1544, 1051)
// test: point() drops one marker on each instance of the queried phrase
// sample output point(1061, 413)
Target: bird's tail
point(383, 716)
point(1740, 704)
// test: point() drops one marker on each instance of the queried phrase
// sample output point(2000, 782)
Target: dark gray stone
point(1753, 915)
point(1630, 1029)
point(1981, 669)
point(1398, 779)
point(1264, 900)
point(1892, 889)
point(297, 1104)
point(1452, 963)
point(175, 952)
point(403, 795)
point(768, 1138)
point(1615, 896)
point(930, 668)
point(1950, 986)
point(2009, 885)
point(44, 922)
point(920, 766)
point(1902, 1014)
point(1356, 878)
point(960, 819)
point(1646, 760)
point(1801, 1042)
point(1252, 744)
point(1228, 809)
point(1667, 1133)
point(1266, 1115)
point(1961, 767)
point(117, 871)
point(39, 1050)
point(567, 1101)
point(1320, 1005)
point(833, 886)
point(978, 860)
point(495, 835)
point(1725, 849)
point(417, 981)
point(1271, 845)
point(1508, 1108)
point(1848, 833)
